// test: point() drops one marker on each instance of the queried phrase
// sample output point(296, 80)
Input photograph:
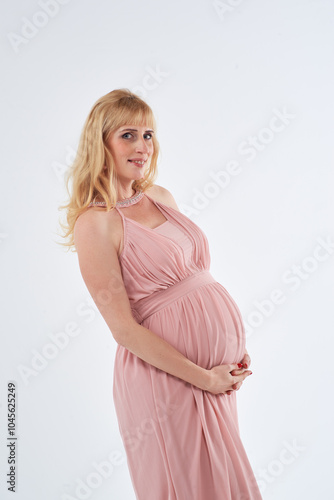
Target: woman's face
point(131, 148)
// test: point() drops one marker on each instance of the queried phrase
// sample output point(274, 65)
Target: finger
point(237, 372)
point(237, 386)
point(235, 366)
point(246, 361)
point(246, 374)
point(240, 378)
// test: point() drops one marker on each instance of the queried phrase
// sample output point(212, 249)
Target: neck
point(124, 194)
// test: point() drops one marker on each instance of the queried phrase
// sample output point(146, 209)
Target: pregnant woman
point(181, 353)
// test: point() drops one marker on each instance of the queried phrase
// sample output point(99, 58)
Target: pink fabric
point(181, 443)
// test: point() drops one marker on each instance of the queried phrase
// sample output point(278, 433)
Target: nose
point(142, 146)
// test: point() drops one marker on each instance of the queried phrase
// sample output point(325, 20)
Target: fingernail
point(245, 365)
point(240, 365)
point(250, 373)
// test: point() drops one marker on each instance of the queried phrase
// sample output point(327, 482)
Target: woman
point(181, 353)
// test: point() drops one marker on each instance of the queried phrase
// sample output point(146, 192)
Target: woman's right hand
point(221, 381)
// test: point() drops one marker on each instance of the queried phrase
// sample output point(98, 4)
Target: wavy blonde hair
point(87, 175)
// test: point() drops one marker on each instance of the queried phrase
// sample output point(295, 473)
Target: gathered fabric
point(181, 443)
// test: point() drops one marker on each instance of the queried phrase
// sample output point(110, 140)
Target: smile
point(138, 162)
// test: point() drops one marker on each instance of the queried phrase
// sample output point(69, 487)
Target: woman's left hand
point(246, 361)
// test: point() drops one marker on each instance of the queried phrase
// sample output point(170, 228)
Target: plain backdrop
point(243, 96)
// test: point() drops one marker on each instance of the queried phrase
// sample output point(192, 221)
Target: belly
point(205, 325)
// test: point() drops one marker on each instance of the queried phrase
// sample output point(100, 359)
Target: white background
point(215, 77)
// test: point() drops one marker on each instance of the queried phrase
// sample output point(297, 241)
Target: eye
point(128, 133)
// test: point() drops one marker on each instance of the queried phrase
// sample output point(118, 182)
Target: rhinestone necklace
point(131, 201)
point(123, 203)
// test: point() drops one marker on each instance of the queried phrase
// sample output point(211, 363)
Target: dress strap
point(160, 206)
point(119, 211)
point(103, 204)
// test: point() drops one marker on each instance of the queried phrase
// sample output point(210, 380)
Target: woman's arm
point(101, 272)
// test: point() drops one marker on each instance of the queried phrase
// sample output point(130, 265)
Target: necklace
point(131, 201)
point(123, 203)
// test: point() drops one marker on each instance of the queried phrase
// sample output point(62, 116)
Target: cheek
point(122, 149)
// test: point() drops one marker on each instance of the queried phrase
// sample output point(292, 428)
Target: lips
point(137, 161)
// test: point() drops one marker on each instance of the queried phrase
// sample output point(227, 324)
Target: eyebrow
point(135, 130)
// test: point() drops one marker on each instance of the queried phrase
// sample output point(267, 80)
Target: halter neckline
point(123, 203)
point(132, 200)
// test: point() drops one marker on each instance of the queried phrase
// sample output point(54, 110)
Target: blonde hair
point(87, 174)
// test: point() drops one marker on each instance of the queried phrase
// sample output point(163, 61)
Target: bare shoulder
point(101, 270)
point(159, 193)
point(94, 218)
point(97, 224)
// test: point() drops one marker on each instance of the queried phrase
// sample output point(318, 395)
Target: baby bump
point(205, 325)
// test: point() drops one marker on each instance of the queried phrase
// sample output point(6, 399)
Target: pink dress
point(182, 443)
